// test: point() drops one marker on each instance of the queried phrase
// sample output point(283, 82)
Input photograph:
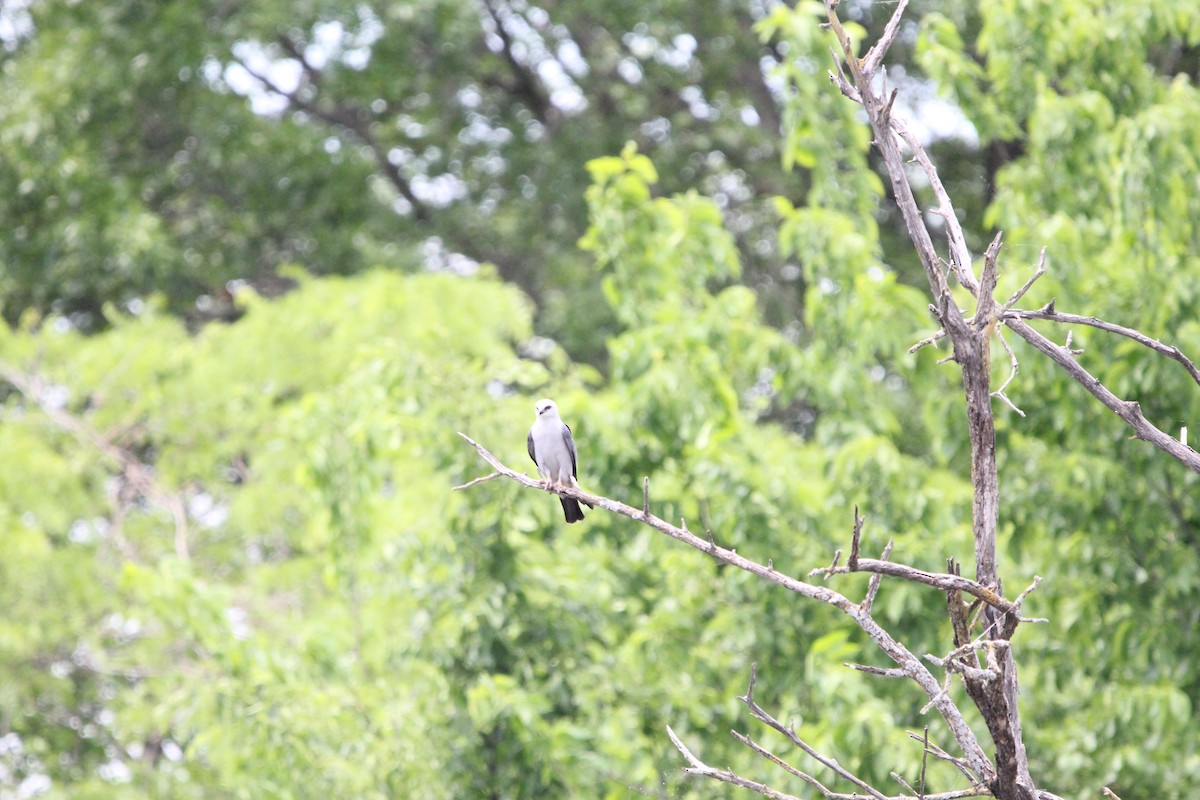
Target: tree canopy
point(262, 261)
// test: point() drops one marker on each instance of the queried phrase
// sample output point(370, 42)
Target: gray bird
point(552, 448)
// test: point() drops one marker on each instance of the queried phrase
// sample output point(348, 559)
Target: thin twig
point(767, 754)
point(938, 752)
point(1037, 579)
point(876, 580)
point(924, 759)
point(855, 541)
point(698, 767)
point(1017, 295)
point(908, 786)
point(831, 763)
point(943, 693)
point(888, 672)
point(484, 479)
point(928, 340)
point(878, 50)
point(1014, 367)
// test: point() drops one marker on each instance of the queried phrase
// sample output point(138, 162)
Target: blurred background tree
point(230, 560)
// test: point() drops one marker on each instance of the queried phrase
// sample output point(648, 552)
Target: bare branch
point(938, 752)
point(1129, 411)
point(976, 644)
point(875, 55)
point(890, 672)
point(1037, 579)
point(875, 107)
point(904, 659)
point(954, 661)
point(833, 567)
point(698, 767)
point(939, 580)
point(974, 791)
point(804, 776)
point(984, 301)
point(855, 541)
point(900, 780)
point(1014, 368)
point(1048, 313)
point(960, 256)
point(831, 763)
point(928, 340)
point(484, 479)
point(996, 699)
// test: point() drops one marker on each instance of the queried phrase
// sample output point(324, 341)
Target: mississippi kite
point(552, 448)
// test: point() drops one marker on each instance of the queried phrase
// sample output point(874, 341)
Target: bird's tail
point(571, 509)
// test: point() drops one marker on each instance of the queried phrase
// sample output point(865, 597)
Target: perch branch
point(904, 659)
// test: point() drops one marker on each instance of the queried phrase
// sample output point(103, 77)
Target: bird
point(552, 449)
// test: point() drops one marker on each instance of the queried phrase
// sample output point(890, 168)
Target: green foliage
point(449, 131)
point(290, 601)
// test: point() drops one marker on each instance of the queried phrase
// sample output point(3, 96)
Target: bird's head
point(545, 408)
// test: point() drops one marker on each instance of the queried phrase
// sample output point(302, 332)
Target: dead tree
point(983, 620)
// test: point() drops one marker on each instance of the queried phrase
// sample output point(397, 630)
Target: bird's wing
point(569, 441)
point(529, 446)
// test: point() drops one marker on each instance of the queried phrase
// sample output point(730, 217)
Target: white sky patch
point(565, 94)
point(239, 625)
point(935, 118)
point(115, 771)
point(697, 105)
point(630, 70)
point(326, 42)
point(437, 258)
point(931, 117)
point(679, 54)
point(330, 42)
point(33, 785)
point(282, 72)
point(16, 23)
point(641, 45)
point(571, 58)
point(206, 511)
point(438, 190)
